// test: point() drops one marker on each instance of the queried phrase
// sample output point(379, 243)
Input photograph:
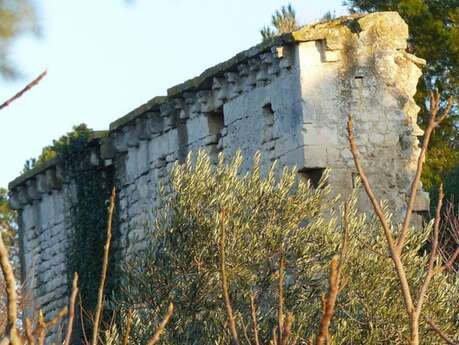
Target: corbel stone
point(285, 54)
point(13, 201)
point(206, 101)
point(23, 197)
point(181, 108)
point(32, 190)
point(131, 135)
point(262, 74)
point(141, 128)
point(271, 63)
point(192, 104)
point(43, 183)
point(254, 68)
point(233, 85)
point(53, 178)
point(244, 72)
point(120, 141)
point(167, 112)
point(107, 149)
point(154, 123)
point(220, 91)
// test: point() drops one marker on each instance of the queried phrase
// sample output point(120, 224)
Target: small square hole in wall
point(313, 175)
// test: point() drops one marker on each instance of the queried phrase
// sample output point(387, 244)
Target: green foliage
point(16, 18)
point(7, 219)
point(434, 36)
point(267, 213)
point(440, 161)
point(282, 21)
point(77, 138)
point(91, 186)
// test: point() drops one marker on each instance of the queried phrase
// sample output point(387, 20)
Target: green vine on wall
point(89, 185)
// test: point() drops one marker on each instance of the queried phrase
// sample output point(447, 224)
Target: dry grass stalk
point(128, 328)
point(162, 326)
point(413, 308)
point(24, 90)
point(224, 281)
point(71, 318)
point(103, 276)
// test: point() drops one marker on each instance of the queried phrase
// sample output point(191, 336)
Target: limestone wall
point(288, 98)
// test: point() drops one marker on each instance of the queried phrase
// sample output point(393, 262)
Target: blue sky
point(106, 57)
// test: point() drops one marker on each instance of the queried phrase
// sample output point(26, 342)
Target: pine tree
point(282, 21)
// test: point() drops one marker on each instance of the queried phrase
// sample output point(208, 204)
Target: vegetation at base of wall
point(268, 213)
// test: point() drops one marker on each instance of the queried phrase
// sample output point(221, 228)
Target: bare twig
point(336, 268)
point(73, 297)
point(224, 281)
point(413, 309)
point(433, 123)
point(11, 295)
point(83, 328)
point(253, 309)
point(329, 303)
point(280, 308)
point(103, 276)
point(29, 332)
point(244, 330)
point(433, 254)
point(287, 331)
point(24, 90)
point(393, 251)
point(45, 326)
point(440, 333)
point(154, 340)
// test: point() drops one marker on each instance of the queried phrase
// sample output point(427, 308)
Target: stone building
point(288, 98)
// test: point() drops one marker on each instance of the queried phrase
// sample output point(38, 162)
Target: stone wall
point(288, 98)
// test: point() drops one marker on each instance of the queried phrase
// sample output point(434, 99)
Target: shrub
point(269, 214)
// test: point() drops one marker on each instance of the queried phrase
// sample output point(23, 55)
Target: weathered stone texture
point(288, 99)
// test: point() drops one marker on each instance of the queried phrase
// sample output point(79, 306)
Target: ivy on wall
point(89, 186)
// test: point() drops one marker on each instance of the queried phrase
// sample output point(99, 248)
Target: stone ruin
point(288, 98)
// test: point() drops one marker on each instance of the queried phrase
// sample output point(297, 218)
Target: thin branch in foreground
point(434, 122)
point(329, 304)
point(440, 333)
point(393, 250)
point(224, 281)
point(24, 90)
point(11, 294)
point(336, 268)
point(154, 340)
point(253, 309)
point(280, 308)
point(73, 297)
point(103, 276)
